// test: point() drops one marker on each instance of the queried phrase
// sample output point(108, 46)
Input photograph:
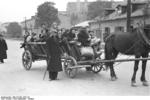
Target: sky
point(17, 10)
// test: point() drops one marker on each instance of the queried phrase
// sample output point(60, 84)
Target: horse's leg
point(110, 53)
point(133, 80)
point(145, 83)
point(112, 71)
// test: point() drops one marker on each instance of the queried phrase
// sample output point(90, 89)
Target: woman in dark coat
point(54, 52)
point(3, 49)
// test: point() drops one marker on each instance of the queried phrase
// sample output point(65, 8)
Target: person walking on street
point(3, 49)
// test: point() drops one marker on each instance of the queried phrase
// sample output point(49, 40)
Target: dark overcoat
point(54, 51)
point(83, 37)
point(3, 49)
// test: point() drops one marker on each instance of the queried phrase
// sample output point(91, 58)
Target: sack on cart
point(87, 51)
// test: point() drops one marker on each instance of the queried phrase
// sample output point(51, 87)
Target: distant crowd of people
point(71, 34)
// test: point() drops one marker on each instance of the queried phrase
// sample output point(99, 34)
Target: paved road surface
point(15, 80)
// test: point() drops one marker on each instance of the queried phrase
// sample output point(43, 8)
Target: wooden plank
point(79, 66)
point(44, 56)
point(107, 61)
point(123, 60)
point(36, 42)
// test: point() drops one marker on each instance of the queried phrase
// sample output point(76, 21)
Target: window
point(107, 30)
point(119, 28)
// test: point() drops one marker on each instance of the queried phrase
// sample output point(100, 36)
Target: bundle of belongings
point(87, 51)
point(81, 44)
point(89, 46)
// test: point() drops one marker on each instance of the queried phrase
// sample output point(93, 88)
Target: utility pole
point(25, 25)
point(128, 15)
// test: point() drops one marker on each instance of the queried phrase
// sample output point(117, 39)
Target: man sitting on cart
point(44, 33)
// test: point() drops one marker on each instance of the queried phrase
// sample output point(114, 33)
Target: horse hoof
point(133, 84)
point(145, 83)
point(114, 78)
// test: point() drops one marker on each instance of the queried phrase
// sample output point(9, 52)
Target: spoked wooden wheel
point(68, 67)
point(96, 68)
point(27, 60)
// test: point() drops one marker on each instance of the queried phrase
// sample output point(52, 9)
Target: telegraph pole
point(25, 25)
point(128, 15)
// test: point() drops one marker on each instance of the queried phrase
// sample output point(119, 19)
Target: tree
point(14, 30)
point(47, 14)
point(97, 8)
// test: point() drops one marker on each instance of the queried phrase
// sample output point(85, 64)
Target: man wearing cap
point(44, 33)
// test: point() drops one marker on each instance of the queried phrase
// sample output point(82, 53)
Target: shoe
point(2, 61)
point(52, 79)
point(88, 69)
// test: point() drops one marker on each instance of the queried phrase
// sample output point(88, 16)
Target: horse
point(135, 43)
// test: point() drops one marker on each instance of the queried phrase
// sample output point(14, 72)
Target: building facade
point(30, 23)
point(117, 20)
point(77, 11)
point(64, 19)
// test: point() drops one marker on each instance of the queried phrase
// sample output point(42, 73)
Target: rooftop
point(115, 15)
point(133, 2)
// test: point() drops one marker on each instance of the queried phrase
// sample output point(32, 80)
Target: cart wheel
point(70, 62)
point(97, 68)
point(27, 59)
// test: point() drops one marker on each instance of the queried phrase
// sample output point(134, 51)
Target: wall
point(65, 21)
point(115, 23)
point(79, 9)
